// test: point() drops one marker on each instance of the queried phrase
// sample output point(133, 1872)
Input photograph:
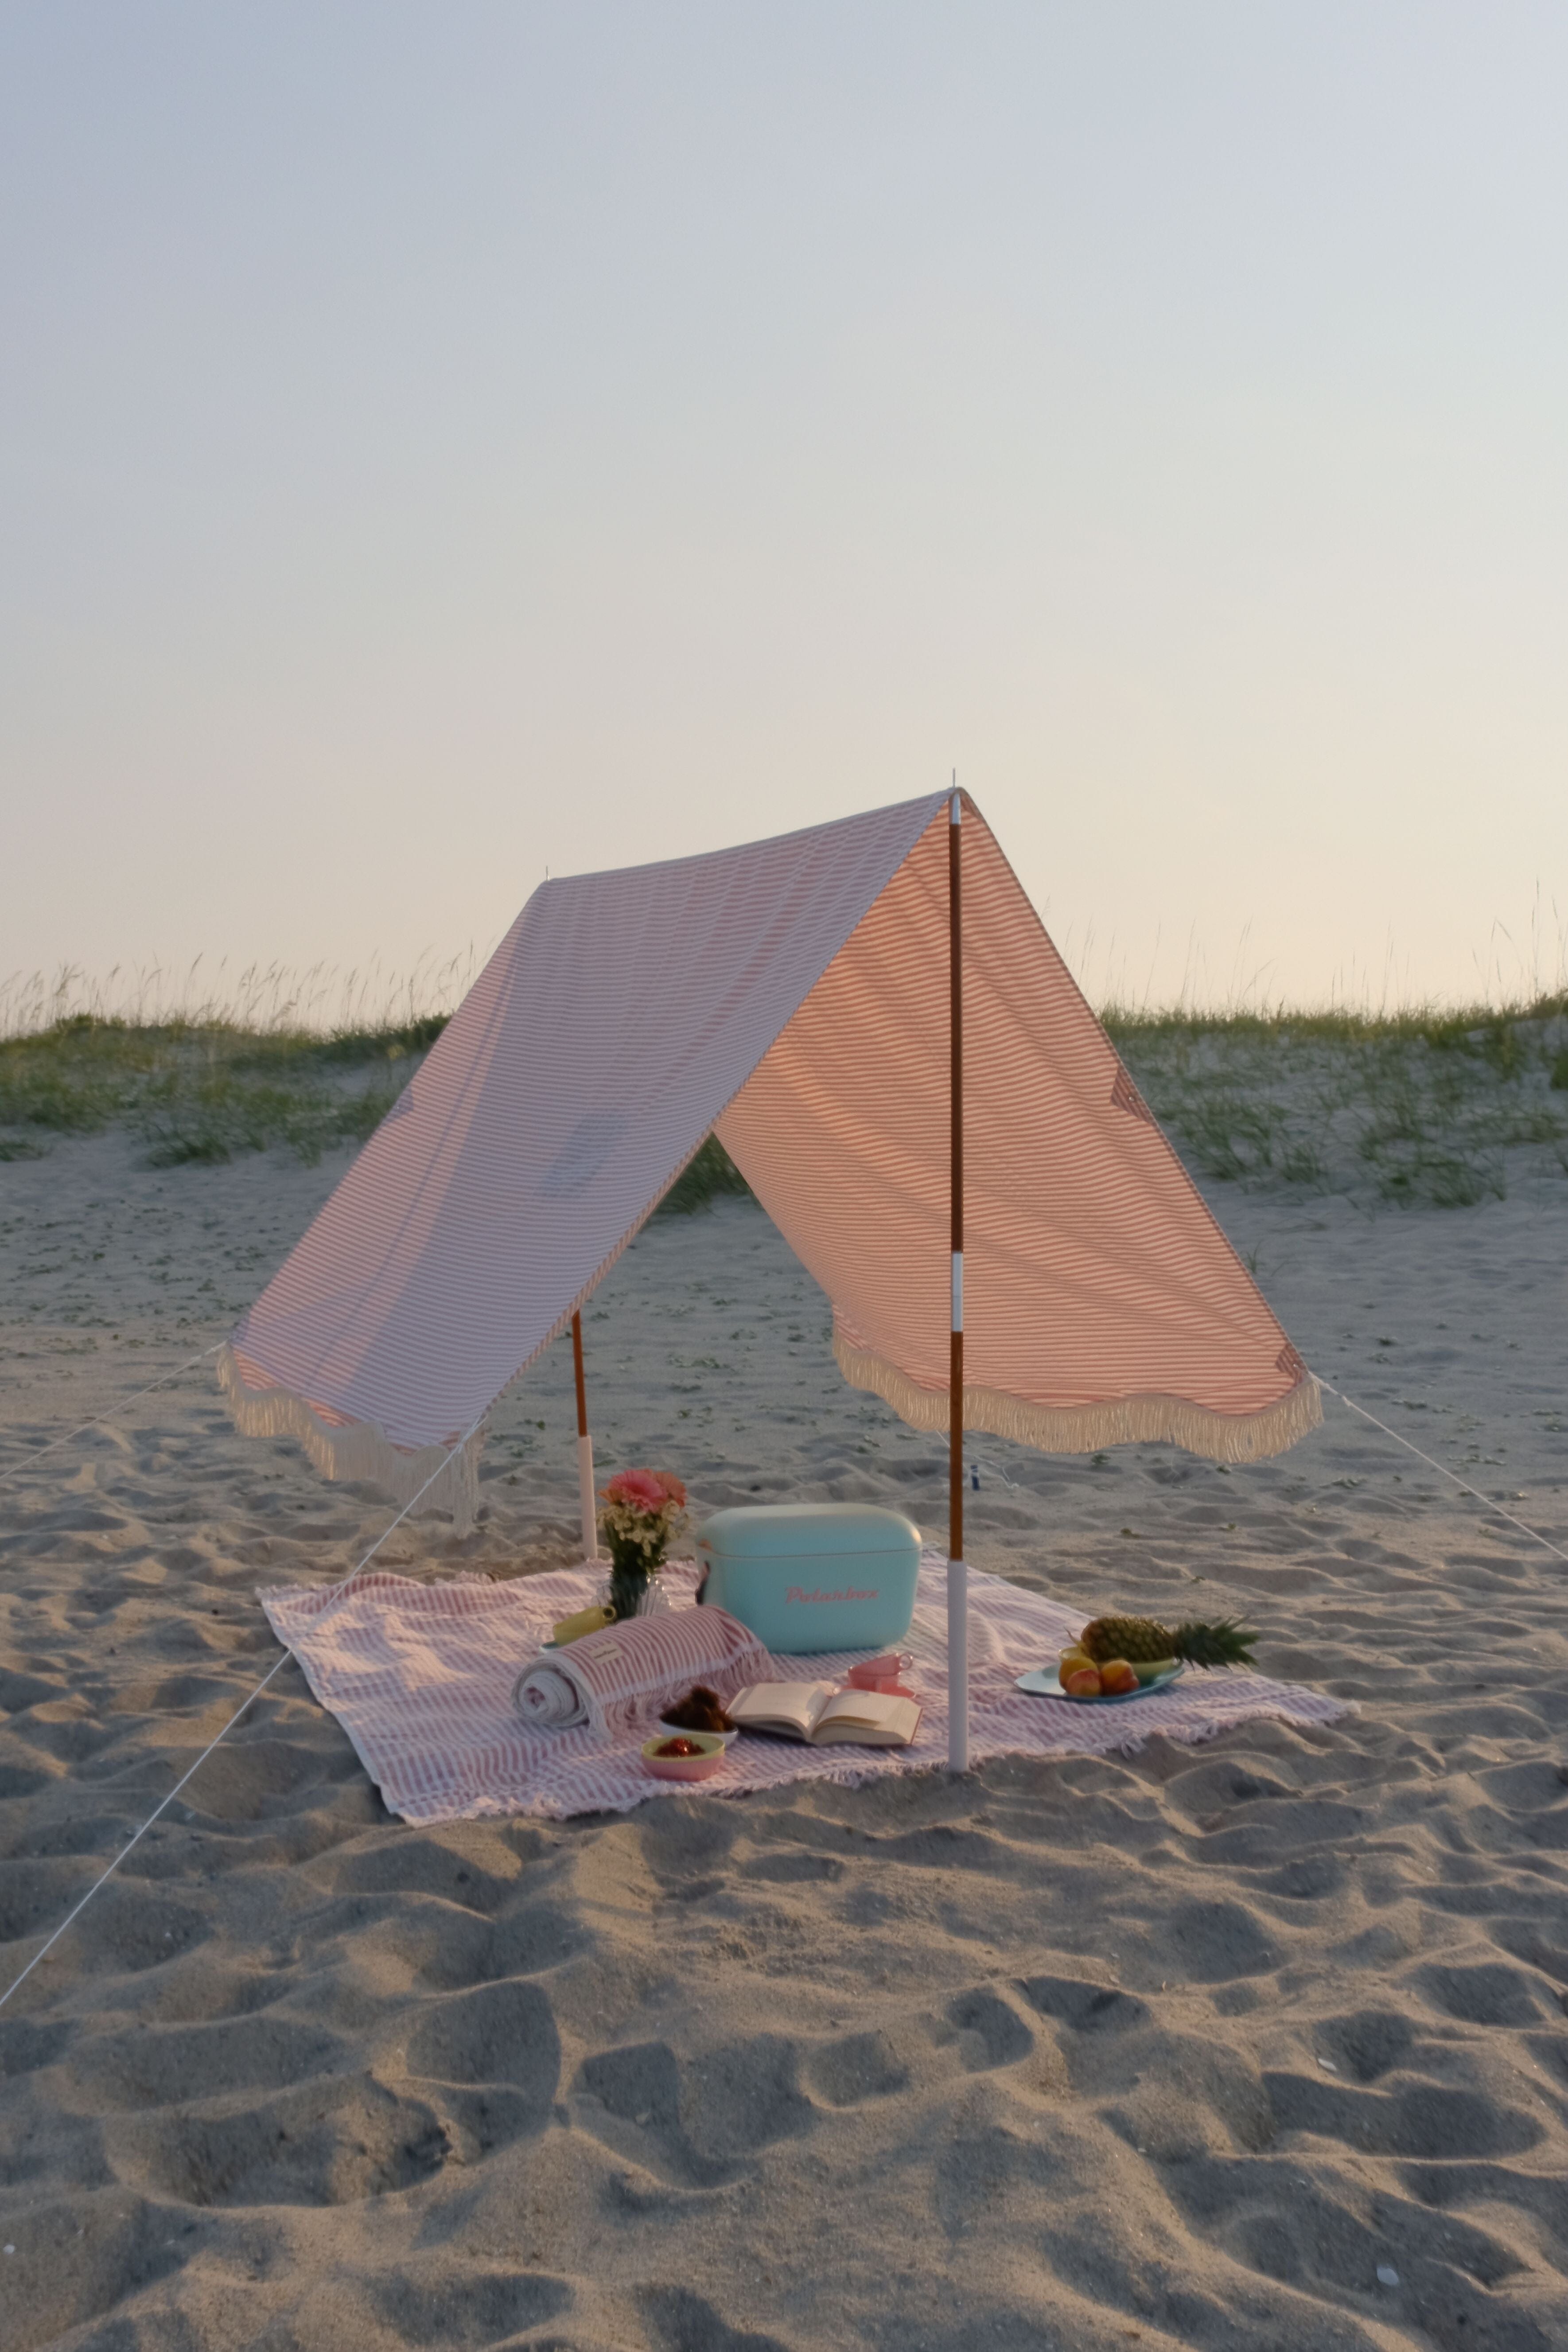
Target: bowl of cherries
point(683, 1755)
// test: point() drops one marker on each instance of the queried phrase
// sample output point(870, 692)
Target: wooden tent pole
point(584, 1449)
point(957, 1575)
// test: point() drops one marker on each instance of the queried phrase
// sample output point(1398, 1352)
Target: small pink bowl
point(685, 1768)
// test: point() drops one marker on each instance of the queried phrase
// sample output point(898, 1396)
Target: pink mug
point(884, 1673)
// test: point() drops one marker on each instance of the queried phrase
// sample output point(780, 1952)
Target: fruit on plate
point(1082, 1683)
point(1143, 1642)
point(1118, 1678)
point(1070, 1660)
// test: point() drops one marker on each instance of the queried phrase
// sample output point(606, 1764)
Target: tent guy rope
point(13, 1469)
point(1444, 1472)
point(218, 1737)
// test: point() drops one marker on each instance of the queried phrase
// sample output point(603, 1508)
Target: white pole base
point(957, 1666)
point(585, 1499)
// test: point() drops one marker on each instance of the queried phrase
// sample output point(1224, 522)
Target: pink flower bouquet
point(643, 1510)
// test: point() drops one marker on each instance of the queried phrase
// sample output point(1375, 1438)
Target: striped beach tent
point(872, 1019)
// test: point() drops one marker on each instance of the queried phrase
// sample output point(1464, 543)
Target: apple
point(1116, 1677)
point(1082, 1683)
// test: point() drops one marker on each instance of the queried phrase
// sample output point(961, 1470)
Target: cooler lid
point(789, 1530)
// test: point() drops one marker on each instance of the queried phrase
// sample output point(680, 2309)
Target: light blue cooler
point(812, 1576)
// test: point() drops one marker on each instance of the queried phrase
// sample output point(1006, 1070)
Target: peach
point(1082, 1683)
point(1117, 1676)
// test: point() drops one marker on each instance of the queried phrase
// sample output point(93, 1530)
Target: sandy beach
point(1250, 2046)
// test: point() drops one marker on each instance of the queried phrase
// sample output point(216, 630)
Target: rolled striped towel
point(622, 1678)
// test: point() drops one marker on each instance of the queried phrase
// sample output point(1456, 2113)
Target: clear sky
point(443, 442)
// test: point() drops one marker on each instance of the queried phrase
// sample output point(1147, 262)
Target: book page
point(794, 1705)
point(875, 1708)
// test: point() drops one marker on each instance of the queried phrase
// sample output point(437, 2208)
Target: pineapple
point(1141, 1642)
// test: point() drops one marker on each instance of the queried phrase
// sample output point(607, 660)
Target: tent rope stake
point(957, 1574)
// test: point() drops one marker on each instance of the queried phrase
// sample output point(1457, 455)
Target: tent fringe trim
point(358, 1449)
point(1087, 1428)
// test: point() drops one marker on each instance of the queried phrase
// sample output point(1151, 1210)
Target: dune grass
point(207, 1091)
point(193, 1090)
point(204, 1063)
point(1433, 1108)
point(1428, 1107)
point(712, 1175)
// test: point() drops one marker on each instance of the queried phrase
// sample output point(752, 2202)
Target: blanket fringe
point(358, 1449)
point(1090, 1428)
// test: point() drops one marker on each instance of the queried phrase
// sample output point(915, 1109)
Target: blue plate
point(1046, 1683)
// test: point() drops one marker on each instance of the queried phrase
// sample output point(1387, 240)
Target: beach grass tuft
point(1429, 1105)
point(710, 1175)
point(202, 1091)
point(201, 1068)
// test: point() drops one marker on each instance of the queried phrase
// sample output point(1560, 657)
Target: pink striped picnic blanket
point(421, 1676)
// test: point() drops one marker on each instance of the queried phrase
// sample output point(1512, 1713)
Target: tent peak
point(888, 814)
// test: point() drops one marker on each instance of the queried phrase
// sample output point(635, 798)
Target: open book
point(822, 1715)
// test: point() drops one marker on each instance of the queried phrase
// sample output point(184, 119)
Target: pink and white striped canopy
point(793, 994)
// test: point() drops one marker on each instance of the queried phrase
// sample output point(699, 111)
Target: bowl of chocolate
point(701, 1710)
point(683, 1755)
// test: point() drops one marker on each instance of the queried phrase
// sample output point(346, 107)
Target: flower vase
point(635, 1593)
